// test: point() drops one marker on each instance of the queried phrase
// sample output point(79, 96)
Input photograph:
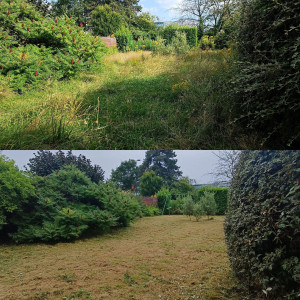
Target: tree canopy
point(164, 164)
point(45, 162)
point(126, 175)
point(150, 183)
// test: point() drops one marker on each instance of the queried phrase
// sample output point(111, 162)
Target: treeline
point(159, 176)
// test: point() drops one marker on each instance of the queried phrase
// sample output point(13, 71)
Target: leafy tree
point(208, 204)
point(150, 183)
point(126, 175)
point(82, 9)
point(198, 211)
point(45, 162)
point(163, 163)
point(42, 6)
point(145, 22)
point(182, 187)
point(105, 21)
point(15, 189)
point(188, 206)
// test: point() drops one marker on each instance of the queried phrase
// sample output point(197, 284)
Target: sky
point(195, 164)
point(161, 8)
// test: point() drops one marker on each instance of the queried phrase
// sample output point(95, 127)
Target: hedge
point(191, 34)
point(262, 224)
point(220, 194)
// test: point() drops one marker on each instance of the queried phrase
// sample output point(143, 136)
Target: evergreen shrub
point(34, 48)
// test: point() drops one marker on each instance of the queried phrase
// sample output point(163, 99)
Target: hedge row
point(262, 224)
point(220, 194)
point(191, 34)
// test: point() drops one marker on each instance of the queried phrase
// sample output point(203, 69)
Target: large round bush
point(262, 224)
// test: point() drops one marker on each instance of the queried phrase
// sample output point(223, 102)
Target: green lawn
point(135, 101)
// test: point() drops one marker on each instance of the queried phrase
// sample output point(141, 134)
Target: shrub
point(176, 206)
point(123, 37)
point(188, 206)
point(122, 204)
point(207, 42)
point(15, 190)
point(266, 87)
point(67, 205)
point(262, 223)
point(170, 32)
point(220, 196)
point(34, 49)
point(198, 211)
point(208, 204)
point(150, 211)
point(163, 200)
point(179, 43)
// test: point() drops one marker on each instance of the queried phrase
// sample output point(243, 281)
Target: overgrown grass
point(135, 101)
point(175, 259)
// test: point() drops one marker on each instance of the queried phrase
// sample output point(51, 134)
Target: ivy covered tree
point(164, 164)
point(45, 162)
point(126, 175)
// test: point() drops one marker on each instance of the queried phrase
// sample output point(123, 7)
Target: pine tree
point(163, 163)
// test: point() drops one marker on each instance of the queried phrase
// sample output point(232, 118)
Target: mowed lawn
point(165, 257)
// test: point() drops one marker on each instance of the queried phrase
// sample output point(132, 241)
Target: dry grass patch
point(166, 257)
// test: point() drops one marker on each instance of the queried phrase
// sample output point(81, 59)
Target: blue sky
point(160, 8)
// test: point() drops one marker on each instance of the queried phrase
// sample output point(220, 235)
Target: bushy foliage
point(123, 37)
point(15, 189)
point(207, 205)
point(198, 211)
point(45, 162)
point(34, 48)
point(171, 31)
point(207, 42)
point(151, 211)
point(176, 206)
point(150, 183)
point(188, 206)
point(262, 223)
point(266, 87)
point(220, 197)
point(163, 200)
point(105, 21)
point(123, 204)
point(68, 205)
point(179, 44)
point(126, 175)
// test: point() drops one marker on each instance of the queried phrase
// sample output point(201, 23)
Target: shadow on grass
point(157, 112)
